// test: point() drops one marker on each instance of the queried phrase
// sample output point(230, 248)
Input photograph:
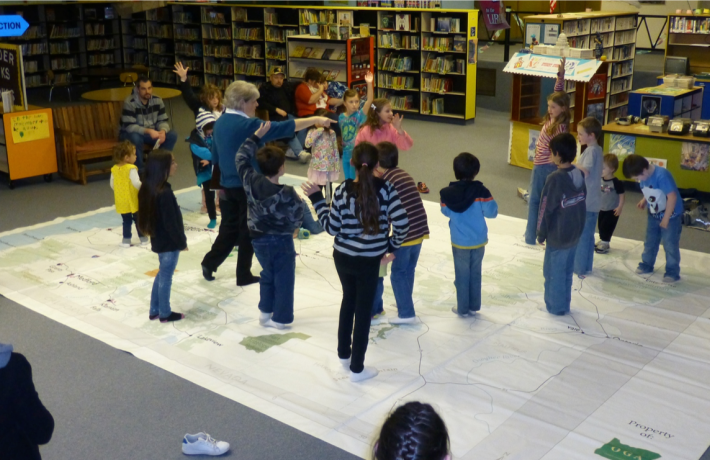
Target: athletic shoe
point(126, 243)
point(271, 323)
point(152, 317)
point(290, 154)
point(203, 444)
point(601, 247)
point(264, 317)
point(252, 280)
point(456, 310)
point(145, 241)
point(304, 157)
point(345, 363)
point(643, 271)
point(398, 320)
point(207, 273)
point(522, 193)
point(212, 224)
point(174, 316)
point(367, 373)
point(670, 279)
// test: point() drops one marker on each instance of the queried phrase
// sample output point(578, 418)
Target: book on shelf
point(437, 85)
point(275, 52)
point(299, 73)
point(345, 18)
point(317, 53)
point(182, 17)
point(399, 102)
point(392, 81)
point(460, 43)
point(298, 51)
point(387, 21)
point(240, 14)
point(328, 53)
point(395, 62)
point(333, 32)
point(307, 52)
point(334, 74)
point(364, 30)
point(325, 74)
point(344, 33)
point(402, 22)
point(443, 25)
point(271, 19)
point(313, 30)
point(188, 49)
point(64, 32)
point(342, 55)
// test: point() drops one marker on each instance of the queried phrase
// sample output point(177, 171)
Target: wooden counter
point(639, 129)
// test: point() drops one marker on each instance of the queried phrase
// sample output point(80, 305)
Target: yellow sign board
point(32, 127)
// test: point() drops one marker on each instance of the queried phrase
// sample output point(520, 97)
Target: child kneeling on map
point(467, 202)
point(275, 212)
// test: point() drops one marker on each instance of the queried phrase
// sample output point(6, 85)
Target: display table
point(666, 100)
point(681, 153)
point(705, 84)
point(119, 94)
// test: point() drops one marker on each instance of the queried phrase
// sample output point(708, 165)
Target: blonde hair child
point(125, 184)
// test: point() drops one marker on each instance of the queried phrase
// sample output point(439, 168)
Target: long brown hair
point(208, 92)
point(367, 205)
point(321, 113)
point(373, 115)
point(562, 99)
point(157, 171)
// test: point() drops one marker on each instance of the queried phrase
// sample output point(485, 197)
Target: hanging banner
point(12, 75)
point(546, 66)
point(494, 15)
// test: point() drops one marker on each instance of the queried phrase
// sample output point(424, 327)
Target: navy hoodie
point(562, 208)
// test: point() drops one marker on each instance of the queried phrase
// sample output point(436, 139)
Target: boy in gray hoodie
point(560, 223)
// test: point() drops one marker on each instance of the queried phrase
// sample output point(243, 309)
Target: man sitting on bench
point(144, 120)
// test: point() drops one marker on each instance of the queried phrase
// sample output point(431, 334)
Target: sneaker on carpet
point(264, 317)
point(145, 241)
point(271, 323)
point(367, 373)
point(375, 320)
point(345, 363)
point(522, 193)
point(203, 444)
point(212, 224)
point(290, 154)
point(643, 271)
point(126, 243)
point(304, 157)
point(670, 279)
point(174, 316)
point(398, 320)
point(456, 310)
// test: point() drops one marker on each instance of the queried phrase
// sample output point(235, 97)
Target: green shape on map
point(262, 343)
point(615, 450)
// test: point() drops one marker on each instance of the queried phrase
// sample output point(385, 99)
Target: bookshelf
point(304, 51)
point(161, 45)
point(187, 32)
point(398, 59)
point(617, 31)
point(102, 32)
point(134, 36)
point(689, 36)
point(279, 24)
point(34, 43)
point(67, 44)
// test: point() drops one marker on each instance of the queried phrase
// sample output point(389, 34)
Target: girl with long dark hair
point(413, 431)
point(160, 218)
point(359, 218)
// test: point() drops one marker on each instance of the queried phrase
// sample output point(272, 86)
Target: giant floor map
point(626, 375)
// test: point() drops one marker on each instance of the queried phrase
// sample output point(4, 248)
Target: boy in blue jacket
point(200, 144)
point(466, 203)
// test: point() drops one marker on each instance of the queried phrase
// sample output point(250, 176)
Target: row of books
point(443, 64)
point(250, 68)
point(458, 43)
point(239, 14)
point(94, 29)
point(320, 17)
point(195, 65)
point(220, 82)
point(194, 80)
point(159, 48)
point(626, 37)
point(31, 49)
point(138, 58)
point(685, 25)
point(183, 17)
point(391, 81)
point(162, 61)
point(223, 51)
point(248, 51)
point(33, 81)
point(432, 107)
point(217, 33)
point(578, 42)
point(602, 24)
point(395, 40)
point(438, 85)
point(60, 48)
point(400, 3)
point(445, 24)
point(158, 14)
point(187, 33)
point(276, 34)
point(163, 76)
point(137, 43)
point(210, 16)
point(101, 59)
point(188, 49)
point(33, 32)
point(276, 52)
point(401, 22)
point(622, 68)
point(31, 66)
point(578, 27)
point(624, 52)
point(160, 30)
point(64, 32)
point(399, 102)
point(395, 62)
point(270, 19)
point(628, 22)
point(101, 45)
point(243, 33)
point(328, 74)
point(139, 28)
point(318, 53)
point(618, 99)
point(219, 67)
point(620, 84)
point(65, 63)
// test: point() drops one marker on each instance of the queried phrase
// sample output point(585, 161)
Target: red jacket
point(303, 95)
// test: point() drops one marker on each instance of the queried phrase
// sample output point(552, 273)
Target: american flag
point(553, 5)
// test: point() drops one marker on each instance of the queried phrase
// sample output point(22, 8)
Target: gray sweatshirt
point(562, 208)
point(136, 117)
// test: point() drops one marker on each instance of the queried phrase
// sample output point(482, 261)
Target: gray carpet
point(110, 405)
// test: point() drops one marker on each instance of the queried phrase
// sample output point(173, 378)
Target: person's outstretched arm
point(188, 95)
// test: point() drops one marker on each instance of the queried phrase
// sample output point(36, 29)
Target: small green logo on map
point(615, 450)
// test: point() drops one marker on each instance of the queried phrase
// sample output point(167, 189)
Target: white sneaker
point(271, 323)
point(304, 157)
point(264, 317)
point(203, 444)
point(145, 241)
point(345, 363)
point(291, 154)
point(367, 373)
point(398, 320)
point(126, 243)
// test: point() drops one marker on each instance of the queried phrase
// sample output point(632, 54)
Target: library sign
point(12, 75)
point(12, 25)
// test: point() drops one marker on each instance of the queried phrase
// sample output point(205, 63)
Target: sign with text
point(546, 66)
point(12, 75)
point(494, 15)
point(12, 25)
point(30, 127)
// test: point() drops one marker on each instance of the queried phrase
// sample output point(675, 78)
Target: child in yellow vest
point(125, 184)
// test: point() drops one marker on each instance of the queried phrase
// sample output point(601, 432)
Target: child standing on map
point(612, 202)
point(556, 121)
point(467, 202)
point(351, 120)
point(665, 208)
point(160, 218)
point(359, 218)
point(275, 212)
point(125, 184)
point(561, 222)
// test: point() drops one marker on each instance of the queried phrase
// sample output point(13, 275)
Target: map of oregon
point(628, 369)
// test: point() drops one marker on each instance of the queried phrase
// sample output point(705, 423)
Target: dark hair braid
point(413, 431)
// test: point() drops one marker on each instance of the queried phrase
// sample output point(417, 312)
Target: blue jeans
point(537, 182)
point(402, 278)
point(138, 140)
point(160, 296)
point(557, 270)
point(467, 267)
point(309, 223)
point(294, 142)
point(671, 244)
point(277, 257)
point(584, 257)
point(378, 306)
point(128, 220)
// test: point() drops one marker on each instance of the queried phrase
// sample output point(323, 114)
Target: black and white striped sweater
point(341, 221)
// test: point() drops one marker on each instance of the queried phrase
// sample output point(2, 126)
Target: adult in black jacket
point(276, 97)
point(25, 423)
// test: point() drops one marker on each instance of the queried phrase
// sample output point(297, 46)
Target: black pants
point(358, 276)
point(607, 223)
point(233, 231)
point(209, 202)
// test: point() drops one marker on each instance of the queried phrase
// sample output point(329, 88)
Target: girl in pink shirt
point(382, 125)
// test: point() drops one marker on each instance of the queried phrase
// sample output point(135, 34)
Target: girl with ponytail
point(160, 218)
point(413, 431)
point(359, 218)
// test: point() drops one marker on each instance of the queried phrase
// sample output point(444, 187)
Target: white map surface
point(631, 361)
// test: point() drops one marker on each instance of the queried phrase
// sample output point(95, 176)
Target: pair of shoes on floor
point(422, 188)
point(203, 444)
point(174, 316)
point(467, 315)
point(212, 224)
point(367, 373)
point(207, 273)
point(602, 247)
point(266, 321)
point(398, 320)
point(247, 282)
point(126, 243)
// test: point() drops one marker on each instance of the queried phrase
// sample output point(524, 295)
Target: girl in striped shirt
point(359, 219)
point(556, 121)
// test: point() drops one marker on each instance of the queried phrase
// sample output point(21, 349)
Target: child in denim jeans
point(467, 202)
point(662, 199)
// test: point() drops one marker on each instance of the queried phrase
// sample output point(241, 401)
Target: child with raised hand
point(414, 431)
point(556, 121)
point(200, 146)
point(589, 131)
point(359, 219)
point(125, 184)
point(351, 120)
point(467, 202)
point(160, 218)
point(325, 164)
point(381, 125)
point(612, 203)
